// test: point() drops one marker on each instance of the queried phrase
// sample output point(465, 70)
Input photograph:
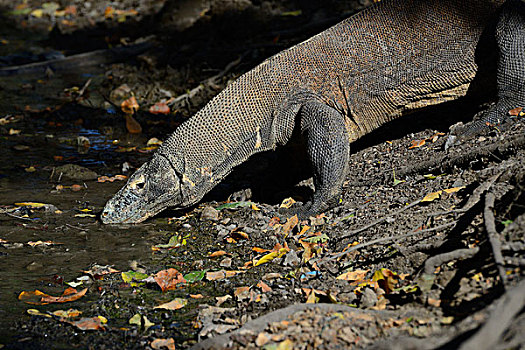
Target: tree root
point(506, 308)
point(446, 162)
point(437, 260)
point(494, 240)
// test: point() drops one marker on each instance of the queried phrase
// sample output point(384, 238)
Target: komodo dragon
point(392, 58)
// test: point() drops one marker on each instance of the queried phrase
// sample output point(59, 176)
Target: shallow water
point(84, 241)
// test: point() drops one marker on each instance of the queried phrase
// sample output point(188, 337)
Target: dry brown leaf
point(132, 125)
point(217, 253)
point(90, 323)
point(264, 287)
point(160, 108)
point(159, 343)
point(130, 105)
point(169, 279)
point(517, 111)
point(175, 304)
point(417, 144)
point(356, 275)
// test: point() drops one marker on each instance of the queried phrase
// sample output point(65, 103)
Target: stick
point(378, 221)
point(387, 239)
point(495, 243)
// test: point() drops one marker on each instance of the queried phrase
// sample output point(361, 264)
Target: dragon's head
point(151, 189)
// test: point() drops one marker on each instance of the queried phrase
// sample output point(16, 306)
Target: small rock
point(210, 213)
point(74, 172)
point(226, 262)
point(369, 298)
point(292, 259)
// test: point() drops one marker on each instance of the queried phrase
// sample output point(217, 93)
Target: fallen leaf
point(223, 299)
point(517, 111)
point(141, 321)
point(287, 203)
point(221, 274)
point(85, 216)
point(169, 279)
point(233, 205)
point(35, 312)
point(40, 298)
point(356, 275)
point(417, 143)
point(46, 243)
point(289, 225)
point(432, 196)
point(217, 253)
point(264, 287)
point(67, 313)
point(32, 205)
point(154, 142)
point(260, 250)
point(132, 125)
point(386, 279)
point(159, 343)
point(241, 292)
point(76, 187)
point(160, 108)
point(271, 256)
point(133, 278)
point(196, 296)
point(175, 304)
point(453, 189)
point(90, 323)
point(195, 276)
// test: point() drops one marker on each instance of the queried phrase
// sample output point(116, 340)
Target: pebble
point(209, 213)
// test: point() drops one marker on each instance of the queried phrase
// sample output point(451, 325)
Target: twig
point(437, 260)
point(76, 227)
point(17, 217)
point(495, 243)
point(447, 161)
point(210, 81)
point(507, 307)
point(378, 221)
point(387, 239)
point(92, 58)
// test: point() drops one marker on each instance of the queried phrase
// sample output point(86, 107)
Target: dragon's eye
point(140, 185)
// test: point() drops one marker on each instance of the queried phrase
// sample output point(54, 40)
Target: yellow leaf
point(33, 205)
point(432, 196)
point(287, 203)
point(312, 299)
point(254, 207)
point(286, 344)
point(37, 13)
point(35, 312)
point(453, 189)
point(266, 258)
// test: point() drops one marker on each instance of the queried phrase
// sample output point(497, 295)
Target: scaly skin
point(396, 57)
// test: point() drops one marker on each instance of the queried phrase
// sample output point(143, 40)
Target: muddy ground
point(425, 251)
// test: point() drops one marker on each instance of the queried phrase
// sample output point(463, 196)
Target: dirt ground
point(425, 251)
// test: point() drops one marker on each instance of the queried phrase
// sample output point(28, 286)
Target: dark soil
point(423, 274)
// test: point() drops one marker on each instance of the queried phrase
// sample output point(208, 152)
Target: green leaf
point(131, 277)
point(195, 276)
point(234, 205)
point(316, 239)
point(507, 222)
point(174, 242)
